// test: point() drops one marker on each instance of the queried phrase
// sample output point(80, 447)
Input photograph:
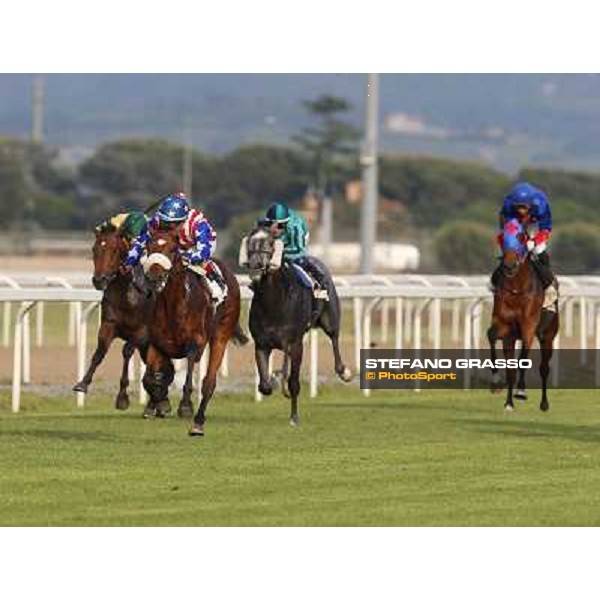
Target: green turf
point(435, 458)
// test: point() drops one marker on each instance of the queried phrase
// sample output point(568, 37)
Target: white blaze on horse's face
point(157, 267)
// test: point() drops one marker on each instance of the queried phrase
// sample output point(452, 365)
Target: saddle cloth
point(303, 277)
point(551, 298)
point(199, 270)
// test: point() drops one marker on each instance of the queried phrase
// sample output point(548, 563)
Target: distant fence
point(411, 297)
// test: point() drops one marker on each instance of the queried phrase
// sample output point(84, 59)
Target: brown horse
point(518, 314)
point(124, 309)
point(183, 322)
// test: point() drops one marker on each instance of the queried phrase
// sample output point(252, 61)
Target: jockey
point(196, 237)
point(288, 225)
point(531, 207)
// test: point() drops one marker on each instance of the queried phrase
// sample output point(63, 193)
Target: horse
point(518, 313)
point(124, 309)
point(182, 323)
point(282, 311)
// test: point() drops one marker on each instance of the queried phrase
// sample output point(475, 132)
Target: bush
point(576, 248)
point(464, 247)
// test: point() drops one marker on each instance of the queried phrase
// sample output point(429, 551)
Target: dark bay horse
point(124, 308)
point(518, 314)
point(282, 311)
point(182, 323)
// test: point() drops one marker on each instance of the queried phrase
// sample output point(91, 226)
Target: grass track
point(436, 458)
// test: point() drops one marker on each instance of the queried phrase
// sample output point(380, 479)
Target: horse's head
point(162, 255)
point(261, 252)
point(108, 252)
point(514, 248)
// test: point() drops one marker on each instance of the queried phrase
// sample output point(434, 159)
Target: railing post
point(18, 355)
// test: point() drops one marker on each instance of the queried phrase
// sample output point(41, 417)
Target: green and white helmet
point(278, 213)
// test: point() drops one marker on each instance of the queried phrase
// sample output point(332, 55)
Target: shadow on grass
point(57, 434)
point(535, 429)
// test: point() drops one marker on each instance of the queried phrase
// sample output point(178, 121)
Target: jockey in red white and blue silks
point(531, 207)
point(197, 238)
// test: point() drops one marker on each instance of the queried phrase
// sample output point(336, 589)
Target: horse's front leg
point(296, 351)
point(159, 375)
point(122, 402)
point(106, 335)
point(496, 384)
point(527, 335)
point(262, 364)
point(508, 346)
point(186, 407)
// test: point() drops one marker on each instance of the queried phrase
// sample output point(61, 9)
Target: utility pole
point(326, 235)
point(188, 169)
point(370, 187)
point(37, 109)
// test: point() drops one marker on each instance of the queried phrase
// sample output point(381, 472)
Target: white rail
point(585, 291)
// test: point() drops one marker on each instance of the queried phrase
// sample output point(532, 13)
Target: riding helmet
point(278, 213)
point(173, 208)
point(523, 193)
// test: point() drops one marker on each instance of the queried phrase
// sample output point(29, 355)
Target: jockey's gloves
point(530, 245)
point(540, 248)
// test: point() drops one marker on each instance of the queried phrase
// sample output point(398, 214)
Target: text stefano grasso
point(447, 363)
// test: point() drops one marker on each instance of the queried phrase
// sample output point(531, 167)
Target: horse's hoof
point(185, 411)
point(544, 406)
point(80, 387)
point(508, 408)
point(149, 412)
point(521, 395)
point(265, 390)
point(163, 409)
point(196, 430)
point(345, 375)
point(122, 402)
point(295, 421)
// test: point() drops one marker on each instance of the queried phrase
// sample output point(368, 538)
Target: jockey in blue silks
point(196, 236)
point(531, 207)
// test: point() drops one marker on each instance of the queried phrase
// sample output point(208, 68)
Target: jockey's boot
point(541, 264)
point(320, 289)
point(217, 286)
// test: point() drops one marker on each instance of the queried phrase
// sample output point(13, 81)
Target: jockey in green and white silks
point(292, 230)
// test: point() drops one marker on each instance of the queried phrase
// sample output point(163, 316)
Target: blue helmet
point(174, 208)
point(524, 193)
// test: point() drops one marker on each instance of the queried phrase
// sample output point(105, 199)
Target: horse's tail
point(239, 337)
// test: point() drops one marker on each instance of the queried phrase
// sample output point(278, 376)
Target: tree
point(436, 190)
point(465, 247)
point(575, 248)
point(33, 189)
point(331, 139)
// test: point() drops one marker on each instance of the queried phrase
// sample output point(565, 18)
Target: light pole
point(368, 161)
point(37, 109)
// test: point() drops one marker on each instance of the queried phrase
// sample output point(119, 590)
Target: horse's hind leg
point(122, 402)
point(546, 339)
point(105, 337)
point(294, 381)
point(329, 321)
